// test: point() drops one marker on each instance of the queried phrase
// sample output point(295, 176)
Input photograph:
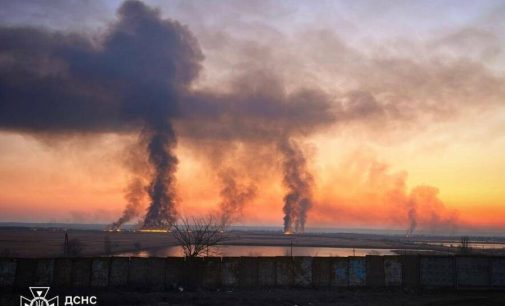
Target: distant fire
point(288, 233)
point(154, 230)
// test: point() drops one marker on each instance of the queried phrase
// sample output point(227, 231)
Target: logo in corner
point(38, 298)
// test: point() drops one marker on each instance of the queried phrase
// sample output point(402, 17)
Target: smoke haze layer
point(299, 183)
point(138, 77)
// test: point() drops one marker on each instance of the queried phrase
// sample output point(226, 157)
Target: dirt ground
point(284, 297)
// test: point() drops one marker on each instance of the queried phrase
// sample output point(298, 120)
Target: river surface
point(241, 250)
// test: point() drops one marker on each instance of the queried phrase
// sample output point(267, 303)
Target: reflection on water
point(240, 250)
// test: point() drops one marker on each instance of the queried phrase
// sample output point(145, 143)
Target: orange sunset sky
point(416, 91)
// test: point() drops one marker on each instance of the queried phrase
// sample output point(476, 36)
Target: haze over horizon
point(329, 114)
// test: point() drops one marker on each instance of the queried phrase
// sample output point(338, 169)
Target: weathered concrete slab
point(375, 271)
point(230, 271)
point(472, 271)
point(100, 272)
point(146, 273)
point(392, 271)
point(212, 275)
point(410, 271)
point(284, 271)
point(340, 272)
point(7, 272)
point(194, 270)
point(357, 271)
point(118, 276)
point(248, 272)
point(155, 278)
point(44, 272)
point(321, 272)
point(302, 271)
point(25, 272)
point(437, 271)
point(62, 272)
point(173, 271)
point(81, 272)
point(266, 272)
point(137, 272)
point(498, 272)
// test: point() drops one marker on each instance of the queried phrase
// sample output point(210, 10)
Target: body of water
point(241, 250)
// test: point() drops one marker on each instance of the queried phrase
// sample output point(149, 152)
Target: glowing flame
point(154, 230)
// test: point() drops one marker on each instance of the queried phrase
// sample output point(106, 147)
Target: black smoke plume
point(299, 182)
point(132, 78)
point(234, 195)
point(134, 196)
point(412, 218)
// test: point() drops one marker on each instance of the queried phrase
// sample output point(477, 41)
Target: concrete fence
point(457, 272)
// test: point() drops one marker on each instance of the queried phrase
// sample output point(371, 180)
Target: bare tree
point(199, 236)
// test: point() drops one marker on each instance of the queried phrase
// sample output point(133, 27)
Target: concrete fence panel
point(498, 272)
point(81, 272)
point(321, 272)
point(339, 272)
point(357, 271)
point(248, 275)
point(284, 271)
point(266, 272)
point(25, 272)
point(62, 272)
point(375, 271)
point(392, 271)
point(44, 272)
point(212, 274)
point(155, 268)
point(7, 272)
point(431, 272)
point(118, 276)
point(410, 271)
point(174, 268)
point(302, 271)
point(230, 271)
point(100, 272)
point(473, 271)
point(437, 271)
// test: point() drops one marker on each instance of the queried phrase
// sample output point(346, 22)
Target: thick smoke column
point(135, 194)
point(129, 79)
point(412, 218)
point(299, 183)
point(234, 196)
point(161, 212)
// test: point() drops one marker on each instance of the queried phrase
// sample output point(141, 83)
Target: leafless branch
point(199, 236)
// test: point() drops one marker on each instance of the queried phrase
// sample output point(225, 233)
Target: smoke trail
point(161, 212)
point(412, 216)
point(135, 194)
point(233, 196)
point(299, 183)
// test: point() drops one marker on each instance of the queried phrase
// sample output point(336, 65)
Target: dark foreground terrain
point(285, 297)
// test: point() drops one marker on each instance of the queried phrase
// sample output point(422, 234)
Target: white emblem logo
point(38, 298)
